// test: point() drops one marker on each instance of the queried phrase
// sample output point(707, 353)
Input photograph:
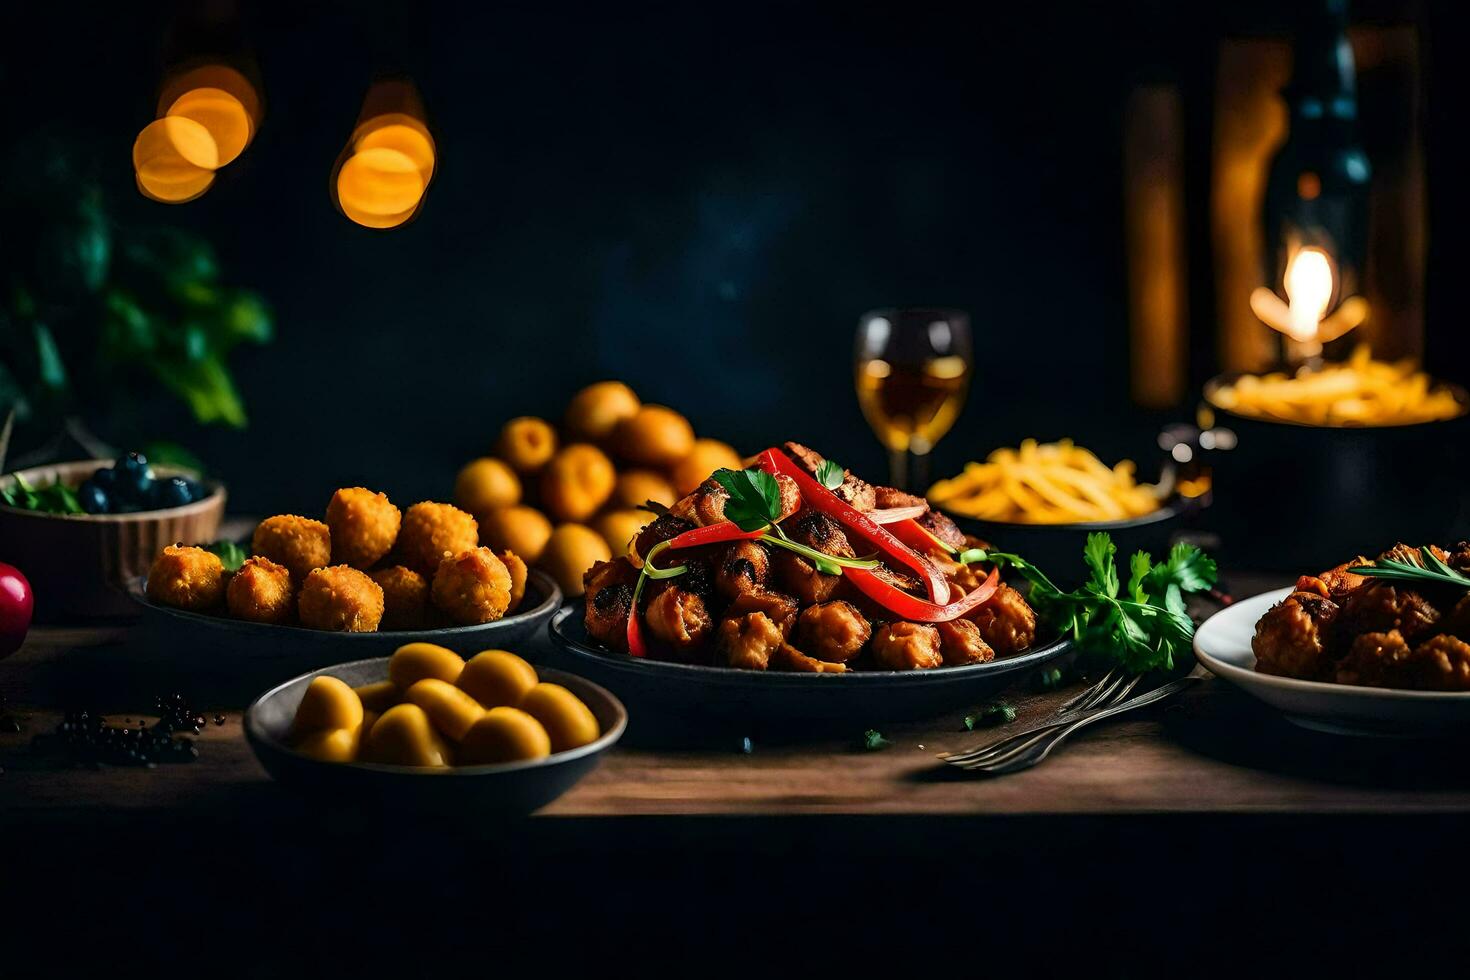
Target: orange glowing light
point(174, 160)
point(222, 114)
point(1308, 186)
point(401, 132)
point(380, 182)
point(1309, 283)
point(213, 76)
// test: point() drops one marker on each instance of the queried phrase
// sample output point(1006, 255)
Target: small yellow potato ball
point(577, 482)
point(636, 488)
point(504, 735)
point(472, 587)
point(369, 719)
point(299, 543)
point(364, 526)
point(519, 573)
point(524, 530)
point(328, 702)
point(260, 592)
point(379, 696)
point(405, 597)
point(451, 710)
point(497, 677)
point(526, 443)
point(486, 484)
point(567, 720)
point(619, 527)
point(187, 578)
point(707, 456)
point(432, 530)
point(654, 436)
point(342, 599)
point(572, 550)
point(331, 744)
point(404, 736)
point(412, 662)
point(595, 411)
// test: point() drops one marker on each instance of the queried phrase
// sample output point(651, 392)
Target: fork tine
point(1085, 693)
point(1115, 688)
point(1106, 692)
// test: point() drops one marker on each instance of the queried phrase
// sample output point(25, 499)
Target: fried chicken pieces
point(750, 606)
point(366, 568)
point(1347, 628)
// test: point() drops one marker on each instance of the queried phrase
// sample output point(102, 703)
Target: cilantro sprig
point(1143, 623)
point(755, 498)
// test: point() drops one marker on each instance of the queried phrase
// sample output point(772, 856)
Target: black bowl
point(694, 697)
point(1302, 498)
point(1057, 548)
point(506, 790)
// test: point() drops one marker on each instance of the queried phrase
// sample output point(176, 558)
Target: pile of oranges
point(566, 499)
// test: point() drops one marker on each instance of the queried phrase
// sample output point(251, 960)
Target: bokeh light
point(174, 159)
point(399, 131)
point(386, 168)
point(222, 114)
point(380, 181)
point(207, 117)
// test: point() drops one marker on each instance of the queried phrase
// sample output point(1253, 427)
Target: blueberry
point(94, 498)
point(106, 478)
point(173, 492)
point(134, 479)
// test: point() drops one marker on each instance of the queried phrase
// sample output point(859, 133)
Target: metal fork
point(1023, 750)
point(1110, 689)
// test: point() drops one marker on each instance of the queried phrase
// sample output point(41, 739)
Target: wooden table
point(1213, 779)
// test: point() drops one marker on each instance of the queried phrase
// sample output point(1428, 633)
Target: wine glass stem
point(918, 473)
point(898, 468)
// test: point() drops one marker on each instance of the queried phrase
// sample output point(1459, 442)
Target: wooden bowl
point(79, 565)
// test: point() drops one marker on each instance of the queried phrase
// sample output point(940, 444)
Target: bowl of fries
point(1041, 500)
point(1333, 459)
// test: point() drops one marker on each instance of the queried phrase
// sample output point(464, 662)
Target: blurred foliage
point(91, 313)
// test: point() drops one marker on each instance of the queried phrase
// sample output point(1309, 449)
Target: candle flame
point(1309, 284)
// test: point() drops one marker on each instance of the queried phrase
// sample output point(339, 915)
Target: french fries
point(1046, 483)
point(1358, 392)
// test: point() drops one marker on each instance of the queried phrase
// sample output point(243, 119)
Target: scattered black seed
point(219, 719)
point(84, 738)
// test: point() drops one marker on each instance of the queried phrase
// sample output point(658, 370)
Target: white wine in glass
point(912, 374)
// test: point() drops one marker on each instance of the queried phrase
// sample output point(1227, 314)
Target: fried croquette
point(432, 530)
point(364, 526)
point(187, 578)
point(907, 646)
point(472, 586)
point(340, 598)
point(261, 592)
point(518, 575)
point(405, 597)
point(299, 543)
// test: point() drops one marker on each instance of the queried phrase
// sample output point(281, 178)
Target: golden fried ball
point(472, 586)
point(405, 597)
point(430, 530)
point(619, 527)
point(187, 578)
point(577, 482)
point(518, 575)
point(707, 456)
point(572, 550)
point(261, 592)
point(486, 484)
point(654, 436)
point(299, 543)
point(526, 443)
point(523, 530)
point(340, 598)
point(364, 526)
point(637, 487)
point(595, 411)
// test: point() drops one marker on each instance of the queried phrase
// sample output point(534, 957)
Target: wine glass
point(912, 374)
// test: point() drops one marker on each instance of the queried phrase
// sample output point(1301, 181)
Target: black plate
point(473, 791)
point(1057, 548)
point(221, 657)
point(750, 700)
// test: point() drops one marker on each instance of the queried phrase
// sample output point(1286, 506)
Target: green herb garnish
point(755, 498)
point(993, 714)
point(873, 740)
point(1145, 626)
point(830, 474)
point(58, 498)
point(231, 555)
point(1429, 568)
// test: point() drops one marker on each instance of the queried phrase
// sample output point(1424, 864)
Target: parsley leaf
point(873, 740)
point(830, 474)
point(231, 555)
point(993, 714)
point(755, 497)
point(1187, 567)
point(1098, 554)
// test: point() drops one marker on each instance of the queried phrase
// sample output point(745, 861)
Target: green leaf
point(830, 474)
point(1187, 566)
point(206, 386)
point(1138, 568)
point(874, 740)
point(993, 714)
point(231, 555)
point(48, 356)
point(755, 497)
point(1098, 555)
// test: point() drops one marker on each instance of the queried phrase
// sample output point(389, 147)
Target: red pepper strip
point(635, 634)
point(913, 534)
point(906, 606)
point(714, 534)
point(888, 547)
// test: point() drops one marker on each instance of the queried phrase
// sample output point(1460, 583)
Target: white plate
point(1223, 644)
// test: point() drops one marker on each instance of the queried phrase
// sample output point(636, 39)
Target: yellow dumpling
point(497, 678)
point(379, 696)
point(451, 710)
point(331, 745)
point(504, 735)
point(405, 737)
point(567, 721)
point(412, 662)
point(328, 704)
